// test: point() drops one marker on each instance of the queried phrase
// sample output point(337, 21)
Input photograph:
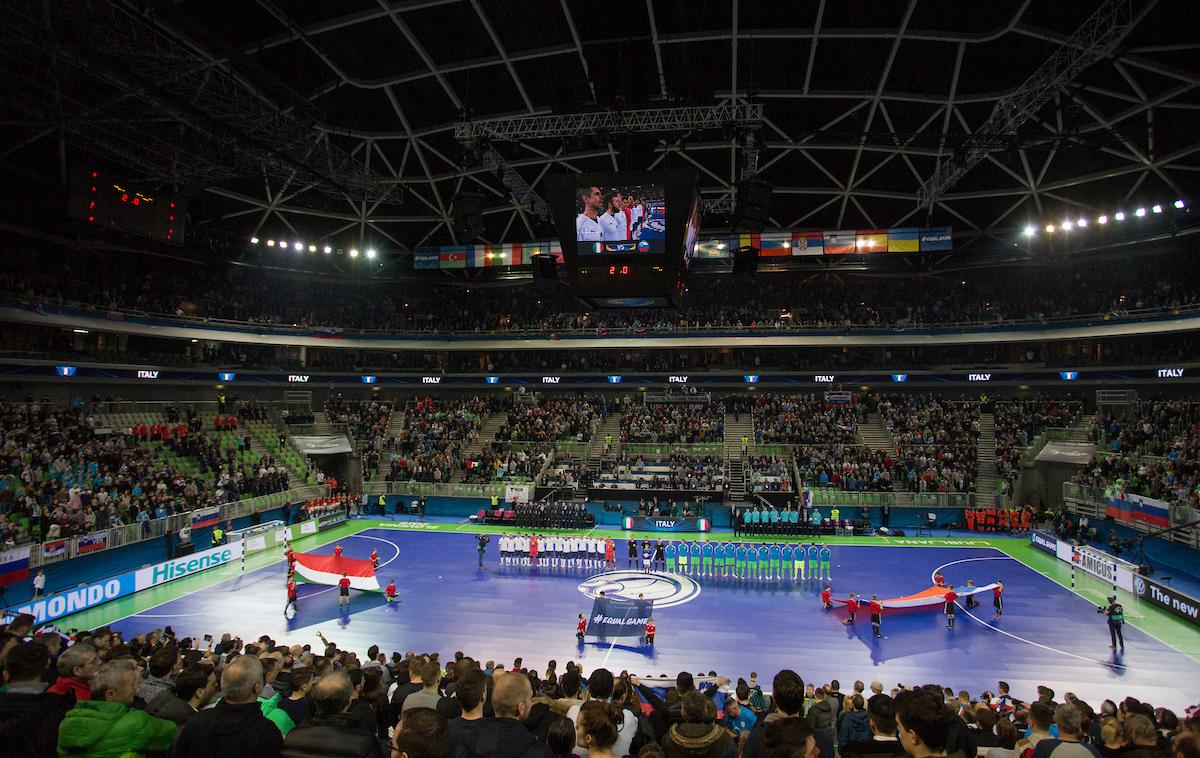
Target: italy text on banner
point(808, 243)
point(91, 542)
point(1135, 508)
point(54, 548)
point(14, 564)
point(937, 238)
point(205, 517)
point(905, 240)
point(839, 242)
point(871, 240)
point(619, 618)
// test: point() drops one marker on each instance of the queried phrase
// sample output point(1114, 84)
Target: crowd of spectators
point(769, 473)
point(552, 419)
point(674, 423)
point(497, 461)
point(365, 420)
point(100, 694)
point(804, 418)
point(855, 468)
point(1018, 422)
point(674, 472)
point(936, 441)
point(1150, 448)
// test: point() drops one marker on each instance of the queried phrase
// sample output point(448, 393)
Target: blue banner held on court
point(619, 618)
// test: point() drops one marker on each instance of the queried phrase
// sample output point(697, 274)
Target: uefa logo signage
point(614, 379)
point(663, 590)
point(492, 379)
point(899, 378)
point(64, 370)
point(226, 376)
point(1068, 376)
point(368, 379)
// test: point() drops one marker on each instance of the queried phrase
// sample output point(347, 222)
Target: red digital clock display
point(619, 270)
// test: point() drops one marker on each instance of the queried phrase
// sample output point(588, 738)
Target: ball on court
point(439, 577)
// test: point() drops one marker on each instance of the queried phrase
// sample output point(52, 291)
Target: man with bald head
point(236, 727)
point(506, 735)
point(331, 731)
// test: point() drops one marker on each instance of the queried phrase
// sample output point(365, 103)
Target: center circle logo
point(665, 590)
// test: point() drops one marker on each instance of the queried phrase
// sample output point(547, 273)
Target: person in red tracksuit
point(337, 550)
point(391, 591)
point(852, 606)
point(610, 558)
point(344, 591)
point(374, 558)
point(291, 597)
point(876, 615)
point(580, 628)
point(970, 520)
point(826, 597)
point(998, 598)
point(650, 629)
point(533, 551)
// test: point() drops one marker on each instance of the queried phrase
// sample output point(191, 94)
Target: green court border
point(1168, 629)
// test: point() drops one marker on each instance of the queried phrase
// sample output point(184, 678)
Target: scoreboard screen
point(625, 236)
point(102, 198)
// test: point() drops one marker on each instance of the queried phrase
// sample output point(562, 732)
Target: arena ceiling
point(336, 120)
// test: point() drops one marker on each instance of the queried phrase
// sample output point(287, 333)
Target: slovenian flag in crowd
point(14, 564)
point(91, 542)
point(54, 548)
point(205, 517)
point(1130, 508)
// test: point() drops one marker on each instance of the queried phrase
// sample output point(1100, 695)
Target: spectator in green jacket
point(106, 726)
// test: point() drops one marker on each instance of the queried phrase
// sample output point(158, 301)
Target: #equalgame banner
point(613, 617)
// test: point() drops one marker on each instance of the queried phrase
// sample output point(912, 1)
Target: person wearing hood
point(331, 731)
point(105, 726)
point(854, 724)
point(235, 727)
point(29, 716)
point(697, 734)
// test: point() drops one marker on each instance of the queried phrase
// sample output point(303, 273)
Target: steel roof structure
point(361, 120)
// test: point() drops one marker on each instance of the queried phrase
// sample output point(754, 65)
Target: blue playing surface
point(1048, 635)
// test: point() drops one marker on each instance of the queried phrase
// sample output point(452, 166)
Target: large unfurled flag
point(14, 564)
point(203, 517)
point(904, 240)
point(1129, 508)
point(91, 542)
point(326, 569)
point(613, 617)
point(927, 598)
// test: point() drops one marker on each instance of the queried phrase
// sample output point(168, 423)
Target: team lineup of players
point(714, 560)
point(610, 215)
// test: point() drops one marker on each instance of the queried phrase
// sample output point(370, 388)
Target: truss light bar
point(1082, 223)
point(270, 243)
point(1030, 231)
point(1102, 220)
point(353, 252)
point(1119, 215)
point(1156, 208)
point(328, 249)
point(1140, 212)
point(1180, 204)
point(1049, 228)
point(254, 240)
point(610, 122)
point(371, 253)
point(1067, 225)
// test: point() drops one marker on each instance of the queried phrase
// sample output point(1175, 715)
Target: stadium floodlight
point(1102, 220)
point(270, 243)
point(299, 246)
point(1119, 215)
point(1030, 231)
point(1156, 208)
point(1049, 228)
point(354, 252)
point(370, 252)
point(1180, 204)
point(312, 248)
point(254, 240)
point(328, 249)
point(1140, 212)
point(1081, 222)
point(1067, 225)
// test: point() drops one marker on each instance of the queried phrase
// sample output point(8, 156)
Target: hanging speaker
point(753, 208)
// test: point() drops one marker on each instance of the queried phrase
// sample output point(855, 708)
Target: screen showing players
point(620, 219)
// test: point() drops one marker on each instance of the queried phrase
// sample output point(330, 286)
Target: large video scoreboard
point(626, 237)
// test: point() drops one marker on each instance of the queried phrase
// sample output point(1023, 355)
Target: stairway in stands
point(985, 465)
point(737, 427)
point(321, 425)
point(487, 433)
point(1080, 429)
point(610, 426)
point(873, 434)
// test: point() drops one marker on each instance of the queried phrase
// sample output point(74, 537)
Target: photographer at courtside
point(1116, 620)
point(481, 543)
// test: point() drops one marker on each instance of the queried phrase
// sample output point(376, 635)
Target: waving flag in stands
point(205, 517)
point(54, 548)
point(14, 564)
point(326, 569)
point(91, 542)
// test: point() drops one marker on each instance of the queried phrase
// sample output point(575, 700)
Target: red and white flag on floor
point(326, 569)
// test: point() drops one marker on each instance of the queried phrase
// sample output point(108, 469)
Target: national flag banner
point(453, 257)
point(54, 548)
point(90, 543)
point(871, 240)
point(904, 240)
point(14, 564)
point(556, 251)
point(750, 240)
point(808, 243)
point(203, 517)
point(1138, 509)
point(775, 245)
point(839, 242)
point(935, 238)
point(328, 570)
point(613, 617)
point(517, 254)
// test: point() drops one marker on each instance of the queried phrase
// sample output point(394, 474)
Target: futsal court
point(1048, 635)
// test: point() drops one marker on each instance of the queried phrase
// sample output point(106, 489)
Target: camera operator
point(1116, 619)
point(481, 543)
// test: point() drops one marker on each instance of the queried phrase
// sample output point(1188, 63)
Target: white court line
point(1014, 636)
point(610, 649)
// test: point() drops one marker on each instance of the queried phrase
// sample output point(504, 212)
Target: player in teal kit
point(670, 556)
point(706, 552)
point(739, 569)
point(764, 561)
point(694, 558)
point(801, 551)
point(789, 570)
point(825, 561)
point(813, 559)
point(719, 558)
point(776, 555)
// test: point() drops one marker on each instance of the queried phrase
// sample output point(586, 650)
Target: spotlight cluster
point(300, 247)
point(1083, 222)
